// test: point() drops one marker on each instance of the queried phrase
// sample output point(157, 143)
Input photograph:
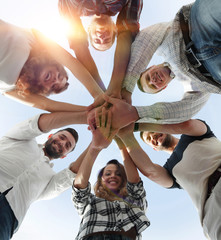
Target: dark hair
point(102, 192)
point(141, 135)
point(139, 85)
point(73, 132)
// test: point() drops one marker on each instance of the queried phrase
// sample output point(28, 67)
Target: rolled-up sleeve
point(80, 198)
point(173, 112)
point(137, 195)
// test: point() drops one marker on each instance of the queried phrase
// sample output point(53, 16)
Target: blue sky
point(171, 212)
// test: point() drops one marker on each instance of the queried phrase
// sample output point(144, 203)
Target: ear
point(49, 136)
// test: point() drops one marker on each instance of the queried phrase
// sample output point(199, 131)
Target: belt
point(213, 180)
point(190, 50)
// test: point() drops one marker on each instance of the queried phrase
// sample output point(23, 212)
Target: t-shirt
point(192, 162)
point(15, 48)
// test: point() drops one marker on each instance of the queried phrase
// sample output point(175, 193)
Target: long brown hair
point(102, 192)
point(28, 79)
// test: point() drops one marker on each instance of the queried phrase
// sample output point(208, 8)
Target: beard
point(167, 142)
point(50, 151)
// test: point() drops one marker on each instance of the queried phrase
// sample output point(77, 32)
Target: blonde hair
point(103, 192)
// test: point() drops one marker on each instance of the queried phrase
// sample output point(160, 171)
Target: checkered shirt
point(166, 40)
point(100, 215)
point(129, 11)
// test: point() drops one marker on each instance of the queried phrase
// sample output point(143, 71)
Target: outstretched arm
point(78, 39)
point(130, 167)
point(192, 127)
point(102, 137)
point(66, 59)
point(49, 121)
point(153, 171)
point(44, 103)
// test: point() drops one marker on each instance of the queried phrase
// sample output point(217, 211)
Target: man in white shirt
point(26, 173)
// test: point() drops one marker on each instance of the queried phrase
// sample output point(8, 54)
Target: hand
point(91, 120)
point(99, 100)
point(102, 134)
point(126, 95)
point(122, 112)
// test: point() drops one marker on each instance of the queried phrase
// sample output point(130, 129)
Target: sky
point(171, 212)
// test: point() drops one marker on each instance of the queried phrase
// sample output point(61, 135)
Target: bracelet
point(136, 127)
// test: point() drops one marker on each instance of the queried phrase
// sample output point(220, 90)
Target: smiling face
point(158, 141)
point(102, 32)
point(52, 80)
point(59, 145)
point(155, 78)
point(111, 178)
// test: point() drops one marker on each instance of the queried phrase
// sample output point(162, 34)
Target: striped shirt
point(129, 11)
point(100, 215)
point(166, 40)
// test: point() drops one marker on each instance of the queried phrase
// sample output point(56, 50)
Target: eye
point(96, 40)
point(48, 76)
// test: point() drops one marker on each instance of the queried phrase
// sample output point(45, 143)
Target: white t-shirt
point(16, 44)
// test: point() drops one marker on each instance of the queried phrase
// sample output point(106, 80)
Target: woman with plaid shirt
point(117, 210)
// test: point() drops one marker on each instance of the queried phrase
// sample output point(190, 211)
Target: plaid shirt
point(129, 11)
point(100, 215)
point(166, 40)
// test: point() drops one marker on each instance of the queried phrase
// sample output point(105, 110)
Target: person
point(117, 210)
point(32, 68)
point(194, 165)
point(25, 166)
point(192, 56)
point(102, 31)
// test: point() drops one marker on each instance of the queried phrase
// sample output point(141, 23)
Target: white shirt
point(24, 167)
point(15, 48)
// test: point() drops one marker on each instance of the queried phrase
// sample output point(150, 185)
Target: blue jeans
point(108, 237)
point(205, 24)
point(8, 221)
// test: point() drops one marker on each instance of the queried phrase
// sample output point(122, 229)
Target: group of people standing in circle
point(32, 68)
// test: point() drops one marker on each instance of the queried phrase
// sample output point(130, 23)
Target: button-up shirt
point(100, 215)
point(129, 11)
point(166, 40)
point(24, 167)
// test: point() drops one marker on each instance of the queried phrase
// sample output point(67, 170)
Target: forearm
point(130, 167)
point(74, 167)
point(121, 59)
point(84, 56)
point(47, 122)
point(84, 172)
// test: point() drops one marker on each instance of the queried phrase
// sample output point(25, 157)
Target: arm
point(44, 103)
point(154, 172)
point(102, 137)
point(78, 39)
point(173, 112)
point(192, 127)
point(66, 59)
point(49, 121)
point(121, 59)
point(130, 167)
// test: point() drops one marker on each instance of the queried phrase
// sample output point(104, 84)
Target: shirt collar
point(172, 75)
